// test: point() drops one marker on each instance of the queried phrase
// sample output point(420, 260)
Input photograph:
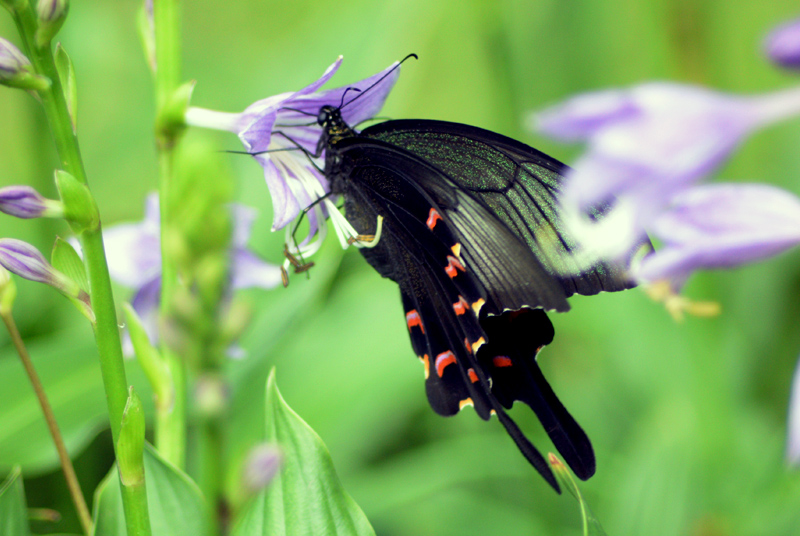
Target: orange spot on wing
point(453, 265)
point(466, 402)
point(413, 319)
point(444, 359)
point(456, 249)
point(472, 376)
point(426, 361)
point(433, 217)
point(461, 306)
point(502, 361)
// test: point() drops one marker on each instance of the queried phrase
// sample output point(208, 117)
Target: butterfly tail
point(565, 433)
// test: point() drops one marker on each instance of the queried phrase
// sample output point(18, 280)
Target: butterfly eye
point(324, 116)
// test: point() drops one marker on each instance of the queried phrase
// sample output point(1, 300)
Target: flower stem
point(106, 328)
point(66, 464)
point(170, 424)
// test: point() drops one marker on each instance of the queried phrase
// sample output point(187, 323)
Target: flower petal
point(248, 271)
point(782, 45)
point(793, 428)
point(721, 225)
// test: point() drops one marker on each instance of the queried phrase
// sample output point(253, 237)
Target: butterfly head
point(331, 121)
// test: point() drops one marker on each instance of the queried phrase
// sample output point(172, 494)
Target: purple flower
point(782, 45)
point(134, 260)
point(12, 61)
point(261, 466)
point(645, 144)
point(720, 226)
point(23, 259)
point(286, 123)
point(25, 202)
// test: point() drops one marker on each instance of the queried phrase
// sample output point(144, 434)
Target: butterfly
point(466, 222)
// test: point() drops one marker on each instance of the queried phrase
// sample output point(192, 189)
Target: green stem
point(170, 424)
point(84, 515)
point(106, 328)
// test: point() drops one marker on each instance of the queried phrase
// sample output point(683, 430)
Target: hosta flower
point(25, 202)
point(644, 146)
point(286, 126)
point(134, 260)
point(720, 226)
point(782, 45)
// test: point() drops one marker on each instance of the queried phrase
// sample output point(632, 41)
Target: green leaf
point(66, 72)
point(306, 498)
point(175, 503)
point(65, 259)
point(591, 526)
point(13, 510)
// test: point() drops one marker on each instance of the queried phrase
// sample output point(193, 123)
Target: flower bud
point(16, 69)
point(262, 465)
point(25, 202)
point(782, 45)
point(130, 445)
point(79, 206)
point(52, 14)
point(23, 259)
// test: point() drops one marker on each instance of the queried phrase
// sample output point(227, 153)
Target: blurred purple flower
point(25, 202)
point(12, 61)
point(720, 226)
point(286, 123)
point(646, 144)
point(782, 45)
point(134, 260)
point(263, 463)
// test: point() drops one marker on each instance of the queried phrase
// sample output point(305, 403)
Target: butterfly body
point(471, 234)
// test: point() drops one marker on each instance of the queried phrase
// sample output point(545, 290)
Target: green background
point(688, 420)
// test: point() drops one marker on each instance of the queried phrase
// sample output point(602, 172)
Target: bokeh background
point(688, 420)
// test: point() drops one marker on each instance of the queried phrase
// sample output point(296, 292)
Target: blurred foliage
point(687, 420)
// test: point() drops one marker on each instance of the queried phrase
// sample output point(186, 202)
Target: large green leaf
point(177, 508)
point(13, 511)
point(71, 378)
point(68, 366)
point(306, 498)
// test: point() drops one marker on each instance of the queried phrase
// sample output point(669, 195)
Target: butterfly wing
point(443, 298)
point(481, 177)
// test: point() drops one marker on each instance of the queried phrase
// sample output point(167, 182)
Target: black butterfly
point(471, 234)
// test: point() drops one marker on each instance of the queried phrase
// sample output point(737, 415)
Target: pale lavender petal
point(782, 45)
point(145, 302)
point(248, 271)
point(284, 203)
point(721, 225)
point(243, 218)
point(793, 428)
point(133, 253)
point(263, 463)
point(358, 105)
point(23, 259)
point(582, 116)
point(257, 136)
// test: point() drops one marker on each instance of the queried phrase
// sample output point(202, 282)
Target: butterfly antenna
point(378, 81)
point(303, 112)
point(341, 102)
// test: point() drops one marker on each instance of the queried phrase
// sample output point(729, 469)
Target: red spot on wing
point(472, 376)
point(461, 306)
point(433, 217)
point(413, 319)
point(444, 359)
point(453, 265)
point(502, 361)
